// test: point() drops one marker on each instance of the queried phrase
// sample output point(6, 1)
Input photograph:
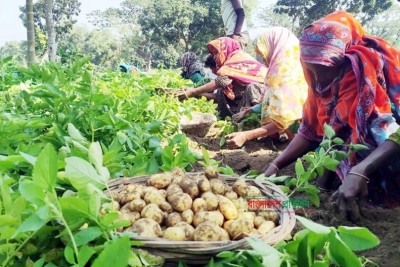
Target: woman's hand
point(186, 94)
point(351, 195)
point(236, 140)
point(240, 115)
point(271, 170)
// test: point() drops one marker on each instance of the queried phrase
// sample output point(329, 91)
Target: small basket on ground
point(200, 252)
point(198, 125)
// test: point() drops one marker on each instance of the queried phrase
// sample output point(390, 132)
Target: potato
point(136, 215)
point(215, 217)
point(189, 187)
point(207, 231)
point(154, 197)
point(227, 208)
point(177, 179)
point(173, 189)
point(240, 203)
point(137, 204)
point(258, 220)
point(211, 172)
point(231, 195)
point(180, 202)
point(152, 211)
point(265, 227)
point(111, 206)
point(199, 204)
point(179, 172)
point(204, 185)
point(125, 208)
point(165, 206)
point(146, 228)
point(217, 186)
point(174, 233)
point(211, 199)
point(149, 189)
point(240, 187)
point(127, 216)
point(240, 226)
point(189, 230)
point(246, 215)
point(254, 232)
point(160, 180)
point(126, 197)
point(134, 188)
point(271, 215)
point(163, 192)
point(173, 219)
point(252, 191)
point(187, 216)
point(227, 224)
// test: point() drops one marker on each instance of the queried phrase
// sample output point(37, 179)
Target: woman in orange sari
point(354, 86)
point(239, 77)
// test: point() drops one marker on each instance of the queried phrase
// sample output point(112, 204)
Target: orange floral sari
point(235, 63)
point(363, 103)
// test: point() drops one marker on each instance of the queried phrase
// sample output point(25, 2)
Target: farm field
point(67, 130)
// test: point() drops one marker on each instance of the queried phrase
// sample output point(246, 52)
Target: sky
point(11, 27)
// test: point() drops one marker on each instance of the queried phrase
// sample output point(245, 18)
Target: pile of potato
point(204, 208)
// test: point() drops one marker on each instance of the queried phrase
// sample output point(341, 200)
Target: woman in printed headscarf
point(192, 69)
point(239, 77)
point(286, 87)
point(354, 86)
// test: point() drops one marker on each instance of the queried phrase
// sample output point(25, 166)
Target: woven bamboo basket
point(198, 125)
point(200, 252)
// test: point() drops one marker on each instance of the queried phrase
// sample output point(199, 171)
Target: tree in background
point(17, 49)
point(386, 25)
point(51, 33)
point(64, 18)
point(305, 12)
point(30, 27)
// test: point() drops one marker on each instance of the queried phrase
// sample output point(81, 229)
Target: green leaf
point(312, 226)
point(337, 141)
point(116, 253)
point(358, 238)
point(34, 222)
point(314, 197)
point(87, 235)
point(330, 163)
point(340, 254)
point(45, 168)
point(32, 192)
point(80, 172)
point(75, 134)
point(299, 167)
point(69, 255)
point(84, 255)
point(358, 147)
point(277, 179)
point(320, 264)
point(340, 155)
point(328, 130)
point(96, 155)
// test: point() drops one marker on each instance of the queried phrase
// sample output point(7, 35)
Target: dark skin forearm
point(297, 148)
point(383, 154)
point(207, 88)
point(240, 16)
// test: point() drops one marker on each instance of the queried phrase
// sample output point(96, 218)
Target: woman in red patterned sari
point(354, 86)
point(239, 79)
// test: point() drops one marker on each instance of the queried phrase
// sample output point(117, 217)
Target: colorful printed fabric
point(235, 63)
point(190, 65)
point(286, 86)
point(363, 103)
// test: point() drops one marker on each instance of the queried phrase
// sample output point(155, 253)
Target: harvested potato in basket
point(179, 206)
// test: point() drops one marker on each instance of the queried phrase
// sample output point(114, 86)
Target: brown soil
point(256, 155)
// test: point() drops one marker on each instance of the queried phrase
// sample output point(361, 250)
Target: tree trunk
point(30, 32)
point(51, 33)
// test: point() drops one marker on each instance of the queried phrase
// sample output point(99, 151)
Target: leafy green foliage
point(328, 156)
point(314, 246)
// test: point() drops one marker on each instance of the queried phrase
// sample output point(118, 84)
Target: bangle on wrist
point(360, 175)
point(276, 167)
